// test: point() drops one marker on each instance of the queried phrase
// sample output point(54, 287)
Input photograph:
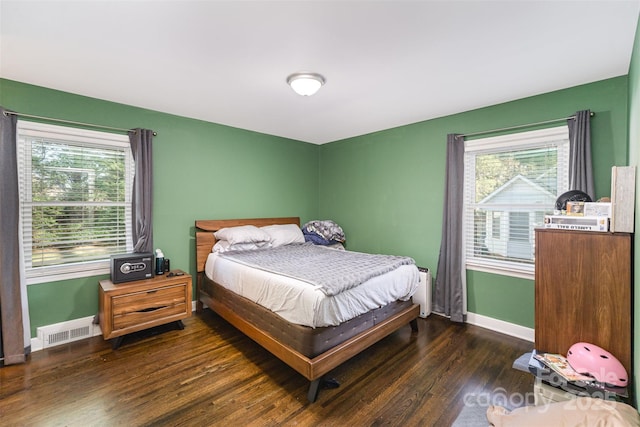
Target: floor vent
point(61, 333)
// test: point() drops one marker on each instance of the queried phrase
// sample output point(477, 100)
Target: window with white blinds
point(510, 183)
point(75, 200)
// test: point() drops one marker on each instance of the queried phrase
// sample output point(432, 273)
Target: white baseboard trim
point(36, 344)
point(501, 326)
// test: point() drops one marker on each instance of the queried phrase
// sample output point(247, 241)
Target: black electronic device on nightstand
point(130, 267)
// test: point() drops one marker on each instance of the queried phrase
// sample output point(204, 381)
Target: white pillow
point(284, 234)
point(224, 246)
point(242, 234)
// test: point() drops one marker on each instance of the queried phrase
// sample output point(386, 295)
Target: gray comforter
point(333, 271)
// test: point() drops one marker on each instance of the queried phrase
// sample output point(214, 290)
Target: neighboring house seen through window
point(75, 200)
point(511, 182)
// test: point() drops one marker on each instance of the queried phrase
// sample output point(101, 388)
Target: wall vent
point(61, 333)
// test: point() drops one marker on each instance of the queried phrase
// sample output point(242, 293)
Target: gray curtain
point(142, 223)
point(580, 166)
point(449, 293)
point(14, 342)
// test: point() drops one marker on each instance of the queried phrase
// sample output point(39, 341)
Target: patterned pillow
point(326, 229)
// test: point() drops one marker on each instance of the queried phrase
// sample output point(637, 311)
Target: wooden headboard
point(206, 227)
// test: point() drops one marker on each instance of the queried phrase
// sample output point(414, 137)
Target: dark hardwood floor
point(210, 374)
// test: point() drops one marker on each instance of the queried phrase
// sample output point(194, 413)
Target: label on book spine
point(584, 223)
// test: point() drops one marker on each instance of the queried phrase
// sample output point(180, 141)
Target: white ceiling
point(387, 63)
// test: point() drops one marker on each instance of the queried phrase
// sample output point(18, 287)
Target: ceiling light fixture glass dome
point(305, 84)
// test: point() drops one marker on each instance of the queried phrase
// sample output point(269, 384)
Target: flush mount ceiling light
point(305, 84)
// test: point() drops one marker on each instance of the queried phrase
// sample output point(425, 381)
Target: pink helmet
point(597, 362)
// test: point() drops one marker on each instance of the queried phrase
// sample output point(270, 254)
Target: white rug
point(472, 416)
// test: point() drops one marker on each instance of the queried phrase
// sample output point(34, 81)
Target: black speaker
point(129, 267)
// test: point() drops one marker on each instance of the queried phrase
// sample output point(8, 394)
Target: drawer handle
point(146, 310)
point(152, 292)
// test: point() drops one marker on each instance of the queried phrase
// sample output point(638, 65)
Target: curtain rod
point(51, 119)
point(521, 126)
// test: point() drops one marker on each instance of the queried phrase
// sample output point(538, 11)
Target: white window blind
point(75, 199)
point(510, 183)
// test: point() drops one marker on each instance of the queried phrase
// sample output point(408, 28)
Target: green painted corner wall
point(201, 170)
point(634, 160)
point(501, 297)
point(386, 189)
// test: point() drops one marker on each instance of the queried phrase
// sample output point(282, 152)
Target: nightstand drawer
point(139, 318)
point(151, 298)
point(147, 306)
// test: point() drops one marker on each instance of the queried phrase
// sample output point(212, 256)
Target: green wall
point(201, 170)
point(634, 160)
point(386, 188)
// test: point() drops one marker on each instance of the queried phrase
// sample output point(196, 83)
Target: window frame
point(557, 136)
point(85, 137)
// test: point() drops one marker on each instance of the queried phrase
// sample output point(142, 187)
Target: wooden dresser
point(583, 288)
point(133, 306)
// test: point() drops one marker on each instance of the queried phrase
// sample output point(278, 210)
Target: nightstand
point(133, 306)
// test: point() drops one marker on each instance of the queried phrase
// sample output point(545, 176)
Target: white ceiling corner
point(387, 63)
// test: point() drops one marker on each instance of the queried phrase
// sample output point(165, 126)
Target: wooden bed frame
point(311, 368)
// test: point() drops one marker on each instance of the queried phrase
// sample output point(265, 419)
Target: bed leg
point(199, 304)
point(314, 386)
point(414, 325)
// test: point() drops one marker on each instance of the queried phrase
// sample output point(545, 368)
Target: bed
point(312, 350)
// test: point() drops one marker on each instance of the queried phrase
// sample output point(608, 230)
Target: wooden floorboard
point(210, 374)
